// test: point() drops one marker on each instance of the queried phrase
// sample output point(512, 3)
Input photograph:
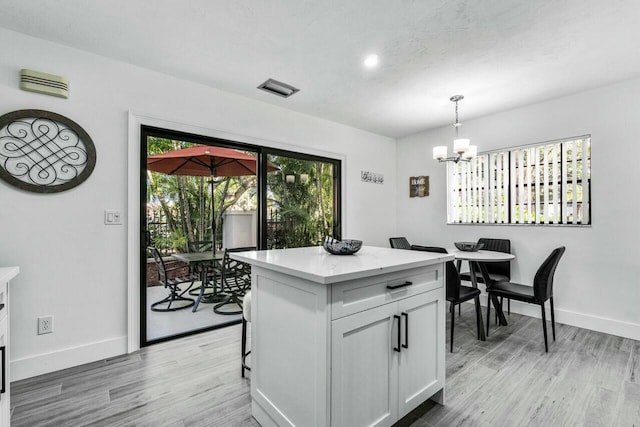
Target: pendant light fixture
point(461, 148)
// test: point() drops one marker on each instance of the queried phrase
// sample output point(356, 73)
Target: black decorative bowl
point(468, 246)
point(341, 247)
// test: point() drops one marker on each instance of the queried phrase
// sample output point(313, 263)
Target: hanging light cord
point(456, 124)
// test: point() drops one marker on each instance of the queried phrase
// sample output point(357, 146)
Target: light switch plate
point(112, 217)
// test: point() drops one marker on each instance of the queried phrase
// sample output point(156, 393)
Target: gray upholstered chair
point(456, 293)
point(539, 293)
point(498, 271)
point(399, 243)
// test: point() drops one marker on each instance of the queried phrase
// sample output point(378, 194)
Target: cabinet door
point(364, 371)
point(422, 365)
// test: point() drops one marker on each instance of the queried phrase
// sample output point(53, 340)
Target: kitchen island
point(353, 340)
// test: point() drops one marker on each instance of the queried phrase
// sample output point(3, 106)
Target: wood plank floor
point(587, 378)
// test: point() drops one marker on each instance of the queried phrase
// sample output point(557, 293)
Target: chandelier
point(461, 148)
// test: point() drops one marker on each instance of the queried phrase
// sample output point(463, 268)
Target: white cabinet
point(324, 329)
point(6, 274)
point(422, 364)
point(364, 374)
point(387, 360)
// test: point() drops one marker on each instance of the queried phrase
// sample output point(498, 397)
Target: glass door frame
point(262, 153)
point(263, 157)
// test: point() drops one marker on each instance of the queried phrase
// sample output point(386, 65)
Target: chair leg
point(173, 297)
point(488, 312)
point(200, 295)
point(509, 306)
point(553, 319)
point(459, 310)
point(544, 328)
point(479, 324)
point(453, 316)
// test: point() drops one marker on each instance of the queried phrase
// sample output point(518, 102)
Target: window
point(547, 183)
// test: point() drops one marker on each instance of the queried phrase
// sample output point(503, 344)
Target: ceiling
point(500, 54)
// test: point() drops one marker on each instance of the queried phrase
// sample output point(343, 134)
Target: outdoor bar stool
point(246, 318)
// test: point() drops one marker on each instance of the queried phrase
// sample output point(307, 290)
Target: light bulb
point(460, 145)
point(471, 153)
point(439, 152)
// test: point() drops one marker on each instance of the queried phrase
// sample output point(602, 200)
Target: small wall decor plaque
point(44, 152)
point(372, 177)
point(418, 186)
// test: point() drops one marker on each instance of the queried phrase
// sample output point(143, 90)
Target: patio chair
point(235, 282)
point(200, 246)
point(168, 276)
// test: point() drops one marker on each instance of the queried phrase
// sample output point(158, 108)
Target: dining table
point(204, 263)
point(478, 259)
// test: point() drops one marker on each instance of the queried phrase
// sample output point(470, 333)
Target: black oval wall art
point(44, 152)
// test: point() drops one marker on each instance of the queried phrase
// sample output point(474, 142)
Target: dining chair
point(539, 293)
point(235, 282)
point(456, 293)
point(246, 319)
point(169, 277)
point(498, 271)
point(399, 243)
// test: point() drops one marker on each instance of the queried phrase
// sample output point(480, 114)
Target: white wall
point(75, 268)
point(597, 283)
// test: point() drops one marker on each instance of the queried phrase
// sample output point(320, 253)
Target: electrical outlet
point(45, 325)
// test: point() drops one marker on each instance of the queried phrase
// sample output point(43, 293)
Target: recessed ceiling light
point(371, 60)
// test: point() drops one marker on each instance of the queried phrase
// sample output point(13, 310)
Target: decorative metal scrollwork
point(44, 152)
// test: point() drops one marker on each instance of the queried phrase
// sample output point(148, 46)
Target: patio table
point(203, 262)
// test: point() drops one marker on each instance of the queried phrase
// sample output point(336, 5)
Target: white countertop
point(8, 273)
point(315, 264)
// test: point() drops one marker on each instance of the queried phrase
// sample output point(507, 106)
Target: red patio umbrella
point(205, 160)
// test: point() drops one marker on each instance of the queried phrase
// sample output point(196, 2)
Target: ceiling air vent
point(48, 84)
point(278, 88)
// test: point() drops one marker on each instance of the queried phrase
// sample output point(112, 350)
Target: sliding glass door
point(200, 196)
point(203, 195)
point(301, 198)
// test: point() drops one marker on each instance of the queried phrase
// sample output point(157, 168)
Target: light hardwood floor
point(587, 378)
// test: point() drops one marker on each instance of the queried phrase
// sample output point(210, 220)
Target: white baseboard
point(74, 356)
point(580, 320)
point(66, 358)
